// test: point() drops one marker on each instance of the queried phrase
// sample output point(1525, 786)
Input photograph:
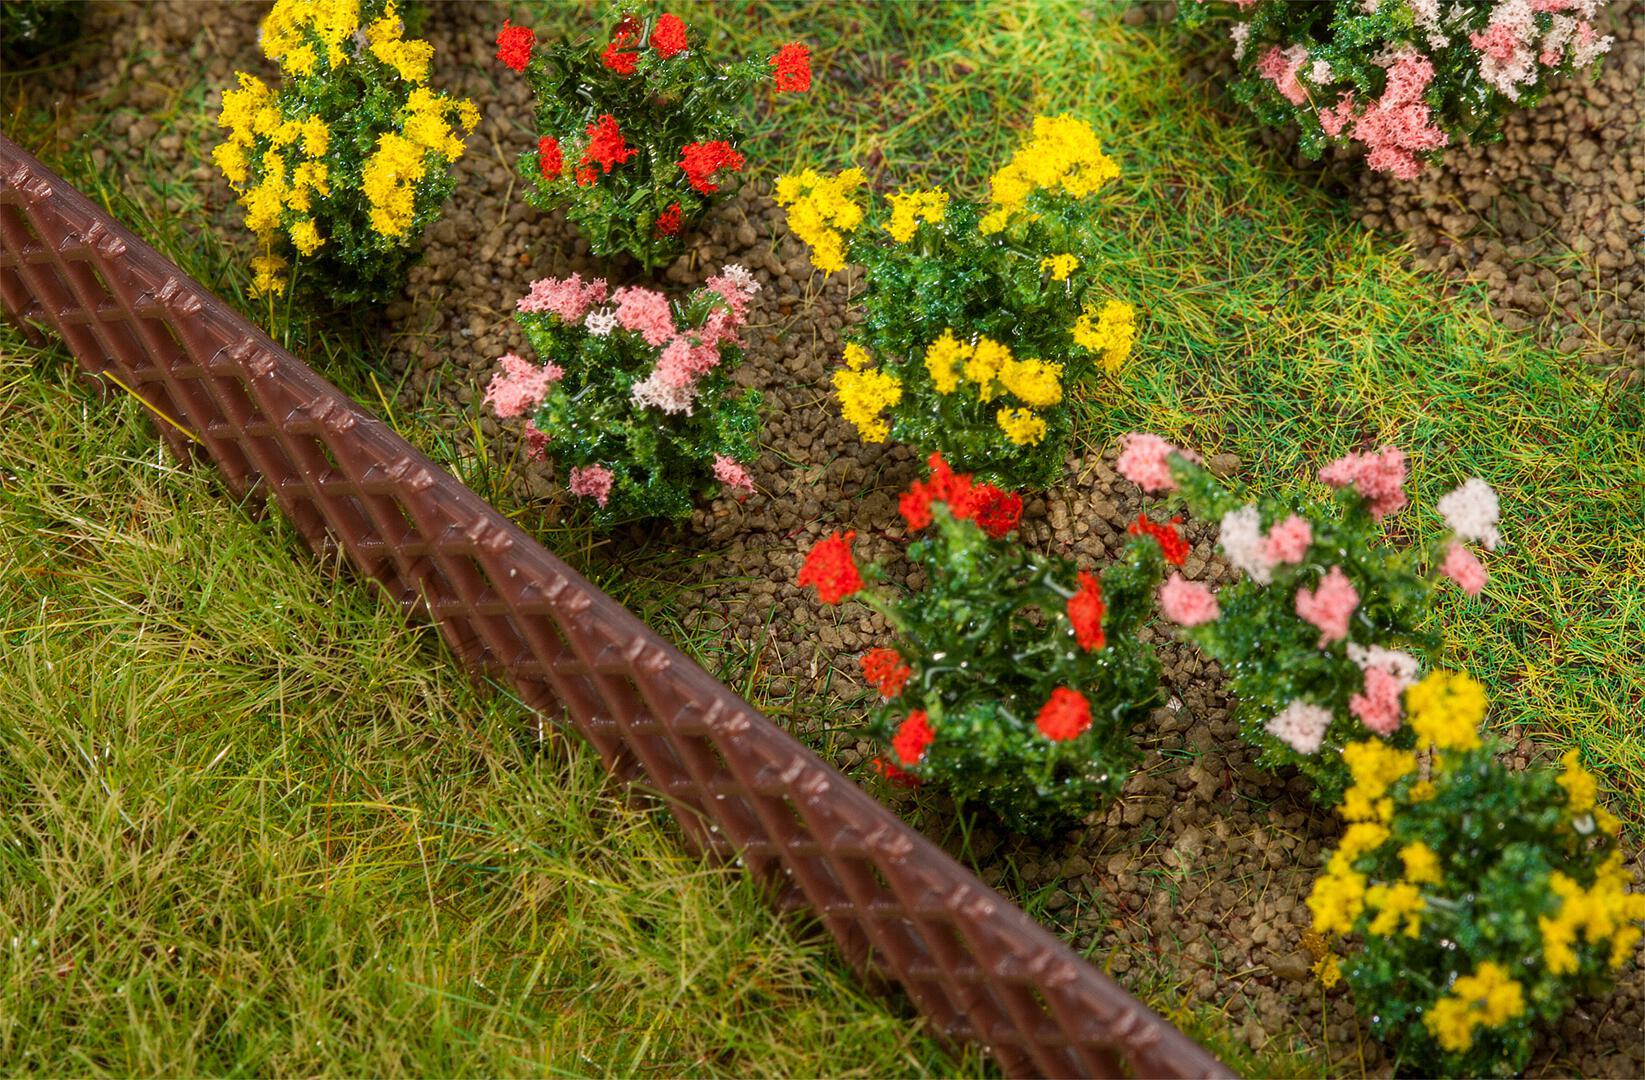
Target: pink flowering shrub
point(1400, 79)
point(634, 401)
point(1326, 629)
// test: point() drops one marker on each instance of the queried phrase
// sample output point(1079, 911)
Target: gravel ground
point(1190, 885)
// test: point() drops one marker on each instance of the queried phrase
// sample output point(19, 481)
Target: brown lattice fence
point(978, 968)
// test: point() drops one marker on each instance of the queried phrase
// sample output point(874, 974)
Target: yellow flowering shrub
point(1469, 903)
point(351, 79)
point(977, 314)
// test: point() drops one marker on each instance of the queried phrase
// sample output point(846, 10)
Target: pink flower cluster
point(591, 482)
point(1329, 606)
point(1256, 554)
point(1280, 66)
point(1144, 461)
point(1379, 478)
point(566, 297)
point(687, 354)
point(1187, 603)
point(1301, 725)
point(1379, 706)
point(732, 474)
point(1463, 567)
point(520, 386)
point(1512, 45)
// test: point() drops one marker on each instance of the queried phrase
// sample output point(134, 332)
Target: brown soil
point(1189, 888)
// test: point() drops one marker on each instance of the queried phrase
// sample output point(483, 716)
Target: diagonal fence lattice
point(978, 968)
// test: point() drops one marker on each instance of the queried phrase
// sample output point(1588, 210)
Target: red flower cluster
point(669, 221)
point(793, 68)
point(830, 568)
point(605, 148)
point(549, 158)
point(1085, 612)
point(1066, 716)
point(701, 160)
point(885, 671)
point(618, 56)
point(514, 45)
point(915, 734)
point(900, 777)
point(668, 36)
point(1171, 543)
point(996, 511)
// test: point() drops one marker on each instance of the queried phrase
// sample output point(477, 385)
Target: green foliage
point(350, 158)
point(996, 638)
point(619, 413)
point(978, 318)
point(1464, 97)
point(1491, 900)
point(31, 28)
point(625, 185)
point(1274, 656)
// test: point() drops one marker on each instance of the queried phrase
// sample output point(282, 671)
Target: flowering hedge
point(351, 157)
point(1469, 904)
point(635, 402)
point(1403, 79)
point(1014, 678)
point(1326, 629)
point(639, 134)
point(977, 318)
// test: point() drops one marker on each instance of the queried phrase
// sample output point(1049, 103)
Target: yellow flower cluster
point(1375, 766)
point(989, 366)
point(1421, 864)
point(1111, 333)
point(820, 211)
point(1060, 266)
point(1339, 894)
point(909, 208)
point(1021, 426)
point(1579, 785)
point(1486, 998)
point(1445, 710)
point(291, 173)
point(385, 38)
point(1605, 911)
point(1062, 155)
point(865, 393)
point(294, 28)
point(1397, 905)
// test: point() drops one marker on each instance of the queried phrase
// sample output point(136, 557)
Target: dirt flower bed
point(1190, 887)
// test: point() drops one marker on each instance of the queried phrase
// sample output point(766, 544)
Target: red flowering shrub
point(1014, 678)
point(665, 142)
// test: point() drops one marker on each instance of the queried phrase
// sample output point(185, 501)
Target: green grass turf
point(253, 824)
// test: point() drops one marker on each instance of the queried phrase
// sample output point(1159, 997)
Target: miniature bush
point(1014, 678)
point(640, 134)
point(350, 158)
point(1401, 79)
point(634, 402)
point(31, 28)
point(1328, 625)
point(1474, 904)
point(976, 318)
